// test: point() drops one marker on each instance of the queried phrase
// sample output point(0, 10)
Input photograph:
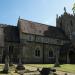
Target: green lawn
point(41, 65)
point(64, 67)
point(67, 67)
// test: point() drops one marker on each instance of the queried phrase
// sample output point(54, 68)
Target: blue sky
point(42, 11)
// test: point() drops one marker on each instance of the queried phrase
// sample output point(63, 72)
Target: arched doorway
point(72, 57)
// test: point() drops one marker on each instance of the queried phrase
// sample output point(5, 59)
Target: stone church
point(39, 43)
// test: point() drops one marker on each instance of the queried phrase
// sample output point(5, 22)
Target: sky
point(42, 11)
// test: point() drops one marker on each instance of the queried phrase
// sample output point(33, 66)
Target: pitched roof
point(40, 29)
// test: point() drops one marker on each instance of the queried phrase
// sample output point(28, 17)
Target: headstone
point(47, 71)
point(6, 66)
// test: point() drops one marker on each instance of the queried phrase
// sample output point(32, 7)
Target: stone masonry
point(39, 43)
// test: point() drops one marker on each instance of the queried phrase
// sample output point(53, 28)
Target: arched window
point(50, 53)
point(37, 52)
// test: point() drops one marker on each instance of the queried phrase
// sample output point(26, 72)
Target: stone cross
point(20, 68)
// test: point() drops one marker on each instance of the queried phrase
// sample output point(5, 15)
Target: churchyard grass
point(41, 65)
point(63, 67)
point(67, 68)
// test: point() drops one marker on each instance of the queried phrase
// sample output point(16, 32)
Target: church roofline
point(65, 14)
point(36, 22)
point(6, 25)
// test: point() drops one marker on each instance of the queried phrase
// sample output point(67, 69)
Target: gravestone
point(6, 66)
point(47, 71)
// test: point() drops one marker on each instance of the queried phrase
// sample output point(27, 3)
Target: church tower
point(67, 23)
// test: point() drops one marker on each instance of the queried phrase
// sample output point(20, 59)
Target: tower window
point(37, 52)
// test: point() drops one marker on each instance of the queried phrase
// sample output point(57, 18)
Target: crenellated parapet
point(65, 14)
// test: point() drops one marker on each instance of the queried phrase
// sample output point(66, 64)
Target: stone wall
point(1, 37)
point(1, 42)
point(45, 44)
point(47, 39)
point(67, 23)
point(12, 50)
point(41, 39)
point(29, 53)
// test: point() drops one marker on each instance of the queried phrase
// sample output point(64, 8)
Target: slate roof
point(41, 29)
point(55, 33)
